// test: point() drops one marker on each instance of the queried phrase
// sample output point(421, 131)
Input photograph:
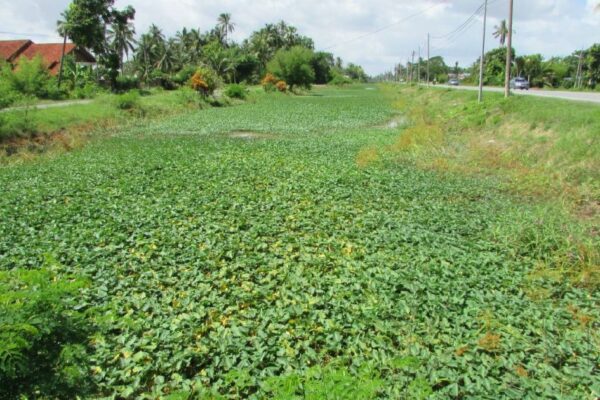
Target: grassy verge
point(542, 147)
point(545, 151)
point(28, 131)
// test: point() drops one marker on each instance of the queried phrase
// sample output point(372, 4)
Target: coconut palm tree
point(225, 26)
point(122, 37)
point(501, 32)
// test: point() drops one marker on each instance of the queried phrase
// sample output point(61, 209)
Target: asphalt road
point(555, 94)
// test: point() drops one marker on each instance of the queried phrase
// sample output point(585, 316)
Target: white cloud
point(550, 27)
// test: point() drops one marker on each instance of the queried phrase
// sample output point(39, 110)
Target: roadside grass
point(29, 132)
point(543, 147)
point(308, 258)
point(546, 151)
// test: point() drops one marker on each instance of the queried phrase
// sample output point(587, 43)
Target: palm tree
point(500, 32)
point(225, 25)
point(122, 36)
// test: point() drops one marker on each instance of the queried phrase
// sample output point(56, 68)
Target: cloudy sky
point(374, 33)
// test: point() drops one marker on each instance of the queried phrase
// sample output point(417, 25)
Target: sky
point(376, 34)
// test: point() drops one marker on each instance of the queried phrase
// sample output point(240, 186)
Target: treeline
point(580, 70)
point(153, 59)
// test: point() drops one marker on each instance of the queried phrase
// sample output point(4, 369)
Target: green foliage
point(323, 64)
point(128, 101)
point(228, 246)
point(42, 336)
point(161, 79)
point(593, 63)
point(356, 73)
point(323, 383)
point(125, 83)
point(209, 77)
point(29, 78)
point(340, 80)
point(294, 67)
point(236, 91)
point(8, 96)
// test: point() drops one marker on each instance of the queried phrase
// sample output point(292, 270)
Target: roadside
point(44, 106)
point(591, 97)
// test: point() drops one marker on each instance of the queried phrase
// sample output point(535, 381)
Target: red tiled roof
point(10, 49)
point(51, 52)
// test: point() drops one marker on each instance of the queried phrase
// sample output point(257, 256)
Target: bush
point(53, 92)
point(205, 80)
point(236, 91)
point(294, 66)
point(89, 91)
point(161, 79)
point(8, 96)
point(185, 75)
point(42, 337)
point(126, 83)
point(281, 86)
point(340, 80)
point(30, 77)
point(268, 82)
point(190, 97)
point(128, 101)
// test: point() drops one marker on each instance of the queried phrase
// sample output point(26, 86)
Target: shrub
point(126, 83)
point(294, 66)
point(161, 79)
point(30, 77)
point(53, 92)
point(128, 101)
point(189, 97)
point(281, 86)
point(236, 91)
point(268, 82)
point(89, 91)
point(8, 96)
point(185, 75)
point(340, 80)
point(205, 80)
point(42, 336)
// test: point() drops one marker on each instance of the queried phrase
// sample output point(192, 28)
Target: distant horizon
point(354, 30)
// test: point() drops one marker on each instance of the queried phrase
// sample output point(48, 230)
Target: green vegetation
point(300, 247)
point(43, 334)
point(294, 67)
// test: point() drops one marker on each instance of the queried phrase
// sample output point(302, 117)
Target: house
point(51, 53)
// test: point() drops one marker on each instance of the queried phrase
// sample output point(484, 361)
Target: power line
point(383, 28)
point(28, 34)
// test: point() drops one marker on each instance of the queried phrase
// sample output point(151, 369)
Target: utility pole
point(509, 49)
point(579, 78)
point(412, 66)
point(419, 67)
point(480, 97)
point(407, 71)
point(428, 56)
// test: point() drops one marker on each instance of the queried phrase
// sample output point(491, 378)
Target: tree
point(122, 33)
point(87, 21)
point(501, 32)
point(592, 64)
point(322, 63)
point(225, 26)
point(294, 66)
point(356, 73)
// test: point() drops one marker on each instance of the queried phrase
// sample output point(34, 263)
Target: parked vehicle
point(453, 82)
point(519, 83)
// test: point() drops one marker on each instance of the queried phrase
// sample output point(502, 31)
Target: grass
point(307, 258)
point(31, 131)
